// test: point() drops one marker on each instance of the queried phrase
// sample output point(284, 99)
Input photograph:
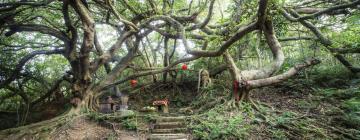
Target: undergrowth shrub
point(352, 112)
point(349, 102)
point(130, 123)
point(218, 123)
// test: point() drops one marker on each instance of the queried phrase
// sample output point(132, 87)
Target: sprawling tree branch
point(118, 16)
point(71, 47)
point(325, 11)
point(323, 40)
point(119, 67)
point(306, 10)
point(30, 3)
point(88, 39)
point(296, 38)
point(207, 19)
point(181, 32)
point(36, 28)
point(107, 56)
point(347, 50)
point(275, 48)
point(281, 77)
point(23, 61)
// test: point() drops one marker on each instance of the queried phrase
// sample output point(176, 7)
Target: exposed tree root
point(112, 126)
point(233, 104)
point(208, 105)
point(253, 104)
point(36, 130)
point(205, 106)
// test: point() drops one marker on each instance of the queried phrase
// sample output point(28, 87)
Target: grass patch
point(218, 123)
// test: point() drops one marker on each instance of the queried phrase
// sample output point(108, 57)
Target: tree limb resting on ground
point(281, 77)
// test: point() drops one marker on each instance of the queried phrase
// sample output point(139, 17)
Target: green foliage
point(95, 116)
point(284, 118)
point(352, 112)
point(215, 123)
point(305, 104)
point(352, 104)
point(336, 72)
point(289, 122)
point(278, 134)
point(343, 94)
point(130, 123)
point(218, 90)
point(349, 103)
point(220, 124)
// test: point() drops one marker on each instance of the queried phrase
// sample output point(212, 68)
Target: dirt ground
point(312, 112)
point(315, 117)
point(84, 129)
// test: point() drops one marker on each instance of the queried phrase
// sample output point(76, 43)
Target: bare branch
point(106, 57)
point(180, 29)
point(325, 11)
point(323, 40)
point(296, 38)
point(168, 68)
point(282, 77)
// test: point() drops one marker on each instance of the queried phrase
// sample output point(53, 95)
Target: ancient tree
point(68, 28)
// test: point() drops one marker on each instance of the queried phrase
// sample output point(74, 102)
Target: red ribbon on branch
point(184, 67)
point(133, 83)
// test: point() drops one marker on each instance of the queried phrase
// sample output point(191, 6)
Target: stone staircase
point(169, 128)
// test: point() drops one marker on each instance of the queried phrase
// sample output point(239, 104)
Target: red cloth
point(184, 67)
point(133, 83)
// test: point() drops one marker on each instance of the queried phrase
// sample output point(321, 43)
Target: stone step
point(171, 119)
point(169, 125)
point(172, 136)
point(173, 130)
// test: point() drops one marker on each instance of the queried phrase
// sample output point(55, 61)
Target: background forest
point(230, 69)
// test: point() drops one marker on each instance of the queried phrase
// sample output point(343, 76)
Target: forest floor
point(84, 129)
point(323, 108)
point(306, 109)
point(297, 109)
